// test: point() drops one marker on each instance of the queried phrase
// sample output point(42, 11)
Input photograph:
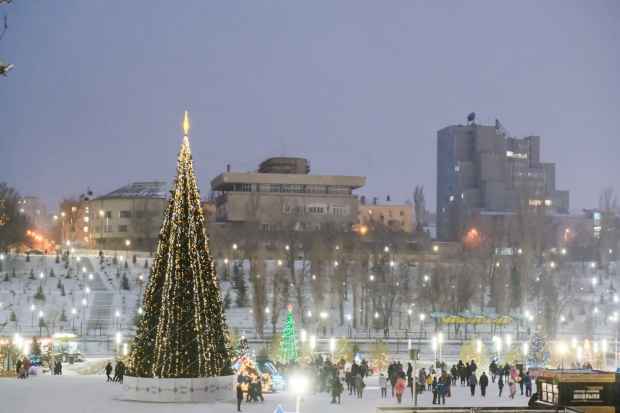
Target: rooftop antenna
point(282, 153)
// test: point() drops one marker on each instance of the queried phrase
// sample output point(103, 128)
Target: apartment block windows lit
point(456, 168)
point(124, 214)
point(451, 198)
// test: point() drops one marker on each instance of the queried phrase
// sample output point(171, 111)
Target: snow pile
point(90, 367)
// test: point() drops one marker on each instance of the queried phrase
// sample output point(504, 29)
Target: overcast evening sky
point(97, 95)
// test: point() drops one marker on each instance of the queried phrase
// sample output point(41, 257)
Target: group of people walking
point(22, 367)
point(119, 371)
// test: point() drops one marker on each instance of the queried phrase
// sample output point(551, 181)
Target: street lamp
point(84, 303)
point(562, 348)
point(73, 312)
point(440, 340)
point(127, 243)
point(298, 383)
point(118, 314)
point(312, 342)
point(409, 318)
point(118, 341)
point(332, 346)
point(562, 321)
point(40, 318)
point(421, 324)
point(32, 316)
point(434, 345)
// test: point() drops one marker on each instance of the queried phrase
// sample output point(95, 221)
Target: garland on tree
point(288, 345)
point(250, 371)
point(539, 353)
point(587, 353)
point(182, 331)
point(35, 353)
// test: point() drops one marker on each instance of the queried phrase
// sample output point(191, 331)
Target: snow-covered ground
point(97, 322)
point(79, 394)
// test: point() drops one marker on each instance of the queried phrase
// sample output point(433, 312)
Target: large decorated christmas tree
point(288, 345)
point(539, 353)
point(182, 331)
point(587, 354)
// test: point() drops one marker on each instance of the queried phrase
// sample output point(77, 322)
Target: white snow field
point(92, 394)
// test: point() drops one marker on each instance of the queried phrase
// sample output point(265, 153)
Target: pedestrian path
point(101, 303)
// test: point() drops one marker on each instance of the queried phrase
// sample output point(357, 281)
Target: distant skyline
point(98, 92)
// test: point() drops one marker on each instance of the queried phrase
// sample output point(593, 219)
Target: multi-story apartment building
point(390, 217)
point(481, 168)
point(74, 220)
point(282, 194)
point(128, 218)
point(33, 207)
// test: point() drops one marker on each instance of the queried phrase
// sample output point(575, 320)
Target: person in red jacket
point(26, 365)
point(399, 389)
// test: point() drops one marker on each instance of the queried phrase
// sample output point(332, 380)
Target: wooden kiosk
point(591, 391)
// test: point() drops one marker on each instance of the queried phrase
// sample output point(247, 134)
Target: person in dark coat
point(59, 368)
point(434, 389)
point(18, 366)
point(455, 374)
point(336, 389)
point(239, 397)
point(250, 395)
point(473, 382)
point(393, 379)
point(506, 372)
point(500, 385)
point(108, 370)
point(521, 377)
point(493, 370)
point(116, 371)
point(409, 370)
point(473, 366)
point(484, 382)
point(528, 384)
point(121, 371)
point(441, 392)
point(259, 390)
point(533, 399)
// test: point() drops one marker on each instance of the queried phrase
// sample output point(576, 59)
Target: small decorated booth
point(591, 391)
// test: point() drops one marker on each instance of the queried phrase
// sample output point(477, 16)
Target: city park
point(184, 352)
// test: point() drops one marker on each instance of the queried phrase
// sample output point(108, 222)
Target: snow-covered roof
point(138, 190)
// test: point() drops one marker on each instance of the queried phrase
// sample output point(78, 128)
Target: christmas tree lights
point(587, 353)
point(250, 371)
point(539, 353)
point(182, 331)
point(288, 345)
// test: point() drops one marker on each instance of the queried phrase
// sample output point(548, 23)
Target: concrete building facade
point(392, 217)
point(128, 218)
point(481, 168)
point(282, 194)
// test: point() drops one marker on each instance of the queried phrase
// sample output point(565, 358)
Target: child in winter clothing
point(383, 385)
point(399, 388)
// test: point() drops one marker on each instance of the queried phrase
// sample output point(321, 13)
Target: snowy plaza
point(78, 394)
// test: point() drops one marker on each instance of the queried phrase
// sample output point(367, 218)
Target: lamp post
point(118, 341)
point(128, 243)
point(434, 345)
point(90, 280)
point(118, 314)
point(440, 340)
point(40, 318)
point(73, 313)
point(101, 230)
point(32, 316)
point(332, 346)
point(84, 309)
point(604, 350)
point(409, 318)
point(87, 292)
point(562, 323)
point(298, 383)
point(421, 324)
point(562, 348)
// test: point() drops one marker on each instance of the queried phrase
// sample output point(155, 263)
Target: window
point(124, 214)
point(548, 202)
point(462, 195)
point(274, 187)
point(86, 219)
point(295, 189)
point(291, 208)
point(451, 198)
point(456, 168)
point(316, 209)
point(535, 202)
point(268, 227)
point(402, 213)
point(222, 210)
point(338, 189)
point(263, 188)
point(313, 226)
point(73, 209)
point(85, 229)
point(341, 210)
point(389, 213)
point(287, 208)
point(107, 228)
point(246, 187)
point(381, 218)
point(108, 214)
point(315, 189)
point(123, 228)
point(98, 229)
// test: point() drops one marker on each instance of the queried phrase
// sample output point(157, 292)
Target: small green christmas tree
point(57, 259)
point(35, 351)
point(62, 290)
point(31, 274)
point(6, 276)
point(63, 316)
point(13, 273)
point(52, 273)
point(146, 263)
point(58, 284)
point(539, 353)
point(39, 294)
point(126, 265)
point(27, 257)
point(125, 283)
point(134, 259)
point(288, 345)
point(13, 317)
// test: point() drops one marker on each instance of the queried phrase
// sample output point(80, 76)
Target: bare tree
point(258, 277)
point(147, 222)
point(319, 260)
point(419, 207)
point(278, 281)
point(608, 204)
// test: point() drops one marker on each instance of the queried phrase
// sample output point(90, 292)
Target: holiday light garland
point(539, 353)
point(250, 371)
point(182, 332)
point(288, 345)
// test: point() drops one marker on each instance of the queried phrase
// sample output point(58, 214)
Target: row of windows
point(295, 189)
point(401, 213)
point(108, 228)
point(512, 154)
point(316, 209)
point(121, 214)
point(307, 226)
